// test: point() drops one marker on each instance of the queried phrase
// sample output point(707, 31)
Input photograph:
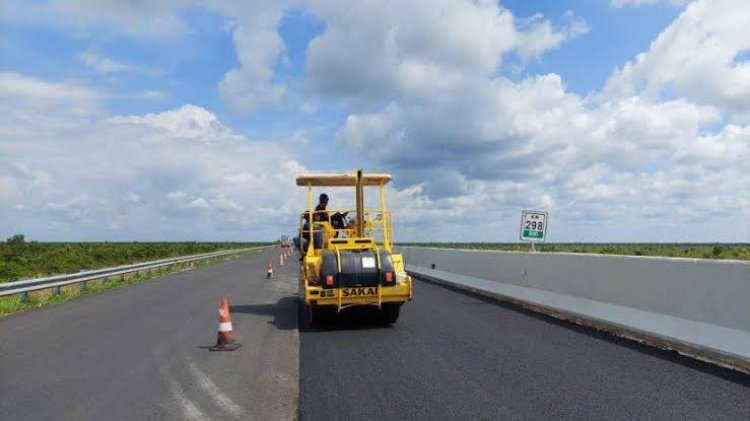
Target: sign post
point(533, 226)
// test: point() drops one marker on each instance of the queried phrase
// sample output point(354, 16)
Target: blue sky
point(618, 117)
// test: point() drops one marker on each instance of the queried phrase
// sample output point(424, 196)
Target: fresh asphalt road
point(139, 352)
point(458, 357)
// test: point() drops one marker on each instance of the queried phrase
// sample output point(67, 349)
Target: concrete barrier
point(698, 307)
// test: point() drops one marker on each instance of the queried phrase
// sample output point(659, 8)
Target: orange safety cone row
point(225, 341)
point(269, 272)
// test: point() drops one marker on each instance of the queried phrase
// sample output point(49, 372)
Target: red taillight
point(329, 280)
point(389, 277)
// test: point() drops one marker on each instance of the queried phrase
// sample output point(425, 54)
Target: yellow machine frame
point(356, 236)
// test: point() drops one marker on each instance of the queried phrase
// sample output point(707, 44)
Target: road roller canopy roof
point(342, 180)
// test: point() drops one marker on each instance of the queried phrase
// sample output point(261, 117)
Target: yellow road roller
point(347, 253)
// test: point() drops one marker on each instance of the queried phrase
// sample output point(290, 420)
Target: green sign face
point(533, 234)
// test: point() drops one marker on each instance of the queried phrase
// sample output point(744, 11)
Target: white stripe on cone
point(225, 327)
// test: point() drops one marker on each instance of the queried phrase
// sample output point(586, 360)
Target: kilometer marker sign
point(533, 225)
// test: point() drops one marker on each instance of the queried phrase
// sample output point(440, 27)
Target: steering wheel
point(338, 220)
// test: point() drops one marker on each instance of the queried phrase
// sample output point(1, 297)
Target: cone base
point(225, 347)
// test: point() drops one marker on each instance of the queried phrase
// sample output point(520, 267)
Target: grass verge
point(12, 304)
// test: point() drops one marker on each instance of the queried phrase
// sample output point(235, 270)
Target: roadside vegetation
point(689, 250)
point(21, 259)
point(14, 303)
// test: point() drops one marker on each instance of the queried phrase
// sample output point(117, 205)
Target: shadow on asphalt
point(666, 355)
point(354, 318)
point(283, 312)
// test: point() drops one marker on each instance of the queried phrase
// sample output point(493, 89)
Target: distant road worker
point(321, 215)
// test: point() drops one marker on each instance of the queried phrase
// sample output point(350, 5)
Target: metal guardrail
point(55, 282)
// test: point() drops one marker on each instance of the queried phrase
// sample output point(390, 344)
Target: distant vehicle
point(286, 241)
point(349, 261)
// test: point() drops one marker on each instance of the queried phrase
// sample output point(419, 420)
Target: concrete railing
point(698, 307)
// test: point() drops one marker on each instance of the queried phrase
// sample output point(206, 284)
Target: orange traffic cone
point(281, 260)
point(269, 272)
point(225, 341)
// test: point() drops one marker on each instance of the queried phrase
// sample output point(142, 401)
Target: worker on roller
point(321, 215)
point(337, 220)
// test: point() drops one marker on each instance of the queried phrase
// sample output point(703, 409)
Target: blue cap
point(323, 197)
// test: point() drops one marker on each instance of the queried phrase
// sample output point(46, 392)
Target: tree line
point(21, 259)
point(688, 250)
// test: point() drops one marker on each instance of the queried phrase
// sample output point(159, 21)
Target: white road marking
point(216, 394)
point(190, 410)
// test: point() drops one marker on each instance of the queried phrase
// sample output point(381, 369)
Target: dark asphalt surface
point(455, 356)
point(139, 352)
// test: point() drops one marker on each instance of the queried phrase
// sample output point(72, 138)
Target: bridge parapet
point(698, 307)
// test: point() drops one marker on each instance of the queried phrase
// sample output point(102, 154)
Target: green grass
point(689, 250)
point(20, 259)
point(13, 304)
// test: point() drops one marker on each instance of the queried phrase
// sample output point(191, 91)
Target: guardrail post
point(56, 290)
point(23, 297)
point(82, 285)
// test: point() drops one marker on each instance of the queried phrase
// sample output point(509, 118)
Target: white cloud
point(659, 155)
point(8, 189)
point(258, 45)
point(299, 138)
point(372, 50)
point(636, 3)
point(695, 57)
point(199, 203)
point(76, 202)
point(143, 95)
point(533, 145)
point(247, 87)
point(176, 195)
point(539, 36)
point(15, 87)
point(145, 18)
point(226, 204)
point(188, 122)
point(468, 146)
point(155, 176)
point(34, 177)
point(103, 65)
point(29, 105)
